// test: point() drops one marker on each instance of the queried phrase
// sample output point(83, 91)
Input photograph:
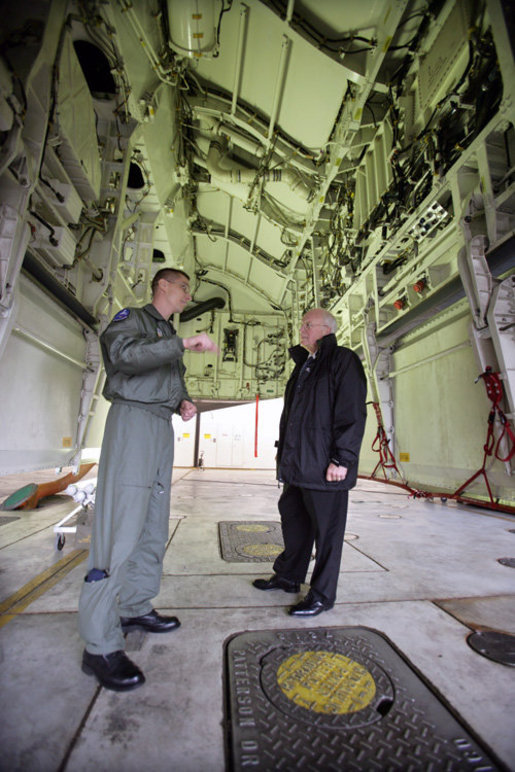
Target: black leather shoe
point(276, 583)
point(151, 622)
point(114, 671)
point(309, 607)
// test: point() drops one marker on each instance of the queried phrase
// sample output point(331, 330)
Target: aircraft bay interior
point(286, 154)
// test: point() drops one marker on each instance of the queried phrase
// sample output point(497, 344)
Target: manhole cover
point(500, 647)
point(327, 700)
point(335, 689)
point(256, 542)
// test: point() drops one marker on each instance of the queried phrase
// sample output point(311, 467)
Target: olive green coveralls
point(145, 383)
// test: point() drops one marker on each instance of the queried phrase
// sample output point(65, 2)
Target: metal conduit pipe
point(164, 75)
point(279, 84)
point(250, 145)
point(48, 282)
point(42, 344)
point(432, 358)
point(239, 56)
point(231, 172)
point(266, 210)
point(202, 308)
point(250, 138)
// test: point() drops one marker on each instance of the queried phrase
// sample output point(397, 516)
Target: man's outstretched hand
point(200, 342)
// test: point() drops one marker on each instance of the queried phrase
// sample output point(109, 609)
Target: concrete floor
point(422, 573)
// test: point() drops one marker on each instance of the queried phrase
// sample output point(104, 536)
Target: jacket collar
point(152, 310)
point(326, 344)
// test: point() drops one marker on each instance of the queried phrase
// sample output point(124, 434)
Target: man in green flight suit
point(145, 384)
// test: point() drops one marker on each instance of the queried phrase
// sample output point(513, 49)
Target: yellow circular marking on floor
point(326, 682)
point(253, 528)
point(261, 550)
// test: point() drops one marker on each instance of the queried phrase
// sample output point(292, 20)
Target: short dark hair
point(167, 273)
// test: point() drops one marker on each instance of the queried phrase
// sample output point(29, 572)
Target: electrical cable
point(229, 296)
point(218, 26)
point(56, 193)
point(47, 225)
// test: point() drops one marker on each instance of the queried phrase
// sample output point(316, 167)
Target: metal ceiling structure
point(356, 155)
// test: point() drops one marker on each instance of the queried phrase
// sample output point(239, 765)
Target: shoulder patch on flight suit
point(123, 314)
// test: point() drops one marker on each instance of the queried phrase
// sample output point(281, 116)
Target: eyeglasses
point(309, 325)
point(184, 287)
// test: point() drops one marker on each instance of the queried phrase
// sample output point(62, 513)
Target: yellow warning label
point(403, 456)
point(326, 682)
point(67, 442)
point(207, 436)
point(186, 435)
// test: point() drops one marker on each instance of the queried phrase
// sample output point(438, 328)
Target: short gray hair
point(330, 320)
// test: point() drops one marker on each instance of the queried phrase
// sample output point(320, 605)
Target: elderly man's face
point(312, 329)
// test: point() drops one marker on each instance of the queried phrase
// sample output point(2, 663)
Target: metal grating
point(252, 542)
point(332, 699)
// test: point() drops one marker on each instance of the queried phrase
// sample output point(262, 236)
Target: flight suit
point(145, 383)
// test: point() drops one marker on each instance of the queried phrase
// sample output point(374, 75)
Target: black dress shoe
point(114, 671)
point(309, 607)
point(151, 622)
point(276, 583)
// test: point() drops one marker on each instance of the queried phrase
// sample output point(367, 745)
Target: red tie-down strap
point(494, 390)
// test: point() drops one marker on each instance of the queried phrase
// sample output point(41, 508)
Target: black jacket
point(323, 417)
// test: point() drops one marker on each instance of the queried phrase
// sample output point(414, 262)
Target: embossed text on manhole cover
point(326, 700)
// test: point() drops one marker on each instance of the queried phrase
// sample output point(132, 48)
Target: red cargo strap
point(381, 445)
point(494, 391)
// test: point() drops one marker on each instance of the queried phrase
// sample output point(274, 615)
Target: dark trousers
point(308, 518)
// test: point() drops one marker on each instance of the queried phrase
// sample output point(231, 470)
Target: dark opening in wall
point(158, 256)
point(96, 69)
point(135, 179)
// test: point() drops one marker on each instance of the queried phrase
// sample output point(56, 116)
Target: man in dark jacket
point(320, 435)
point(145, 384)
